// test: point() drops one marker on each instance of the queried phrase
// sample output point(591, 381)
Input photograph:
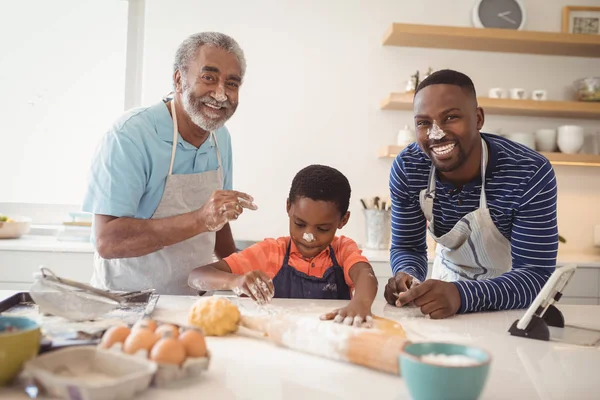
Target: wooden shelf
point(531, 108)
point(584, 160)
point(495, 40)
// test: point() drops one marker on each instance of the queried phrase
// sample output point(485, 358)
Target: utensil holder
point(378, 229)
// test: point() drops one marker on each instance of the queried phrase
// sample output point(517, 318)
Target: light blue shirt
point(131, 164)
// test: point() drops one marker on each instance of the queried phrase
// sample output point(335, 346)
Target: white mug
point(497, 93)
point(518, 94)
point(570, 138)
point(524, 138)
point(545, 140)
point(539, 94)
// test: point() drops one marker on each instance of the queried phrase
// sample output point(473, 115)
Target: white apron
point(167, 270)
point(474, 249)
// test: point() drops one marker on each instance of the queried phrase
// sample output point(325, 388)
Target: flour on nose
point(308, 237)
point(435, 132)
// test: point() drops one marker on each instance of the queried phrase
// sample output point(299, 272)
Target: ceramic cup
point(523, 138)
point(518, 94)
point(570, 138)
point(539, 95)
point(545, 140)
point(497, 93)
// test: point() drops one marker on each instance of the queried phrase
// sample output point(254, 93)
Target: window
point(62, 79)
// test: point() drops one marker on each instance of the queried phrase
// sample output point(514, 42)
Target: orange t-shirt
point(268, 255)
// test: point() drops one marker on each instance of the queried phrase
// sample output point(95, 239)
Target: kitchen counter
point(583, 260)
point(247, 368)
point(45, 244)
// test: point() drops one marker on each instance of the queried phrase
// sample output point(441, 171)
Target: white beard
point(192, 107)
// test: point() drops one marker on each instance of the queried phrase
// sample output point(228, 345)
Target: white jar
point(406, 136)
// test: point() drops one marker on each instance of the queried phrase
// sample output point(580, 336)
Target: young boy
point(311, 263)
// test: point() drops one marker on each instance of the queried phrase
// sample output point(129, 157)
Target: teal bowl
point(434, 380)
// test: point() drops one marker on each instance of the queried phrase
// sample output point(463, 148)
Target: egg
point(194, 343)
point(168, 350)
point(114, 334)
point(167, 330)
point(145, 323)
point(141, 338)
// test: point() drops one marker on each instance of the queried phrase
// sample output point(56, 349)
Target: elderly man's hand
point(224, 206)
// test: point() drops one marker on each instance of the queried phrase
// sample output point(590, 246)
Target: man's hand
point(438, 299)
point(224, 206)
point(397, 284)
point(255, 284)
point(356, 313)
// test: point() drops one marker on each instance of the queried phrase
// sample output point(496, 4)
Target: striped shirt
point(521, 196)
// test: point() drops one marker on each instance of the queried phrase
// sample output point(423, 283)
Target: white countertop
point(45, 243)
point(521, 368)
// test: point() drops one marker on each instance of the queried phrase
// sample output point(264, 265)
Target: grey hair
point(190, 46)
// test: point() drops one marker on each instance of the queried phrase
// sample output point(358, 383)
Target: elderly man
point(160, 185)
point(488, 203)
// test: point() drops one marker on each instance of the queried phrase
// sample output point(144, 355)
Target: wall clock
point(503, 14)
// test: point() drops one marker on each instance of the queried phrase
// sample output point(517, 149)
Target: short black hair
point(449, 77)
point(320, 182)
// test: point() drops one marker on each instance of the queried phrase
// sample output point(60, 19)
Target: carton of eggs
point(179, 353)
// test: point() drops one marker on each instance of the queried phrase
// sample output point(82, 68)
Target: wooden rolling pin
point(376, 348)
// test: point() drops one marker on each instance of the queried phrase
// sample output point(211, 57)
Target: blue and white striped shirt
point(521, 196)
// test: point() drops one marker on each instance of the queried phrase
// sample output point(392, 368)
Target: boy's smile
point(318, 218)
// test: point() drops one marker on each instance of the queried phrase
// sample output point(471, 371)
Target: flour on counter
point(324, 339)
point(454, 360)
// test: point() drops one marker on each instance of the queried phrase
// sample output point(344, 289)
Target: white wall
point(62, 80)
point(316, 74)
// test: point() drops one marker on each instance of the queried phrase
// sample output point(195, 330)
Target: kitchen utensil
point(588, 89)
point(60, 333)
point(543, 321)
point(19, 341)
point(91, 374)
point(545, 140)
point(371, 348)
point(539, 95)
point(518, 94)
point(69, 299)
point(378, 224)
point(570, 138)
point(497, 93)
point(18, 227)
point(427, 380)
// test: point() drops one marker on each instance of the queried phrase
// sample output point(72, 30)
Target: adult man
point(156, 180)
point(489, 204)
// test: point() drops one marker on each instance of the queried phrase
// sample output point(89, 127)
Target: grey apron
point(167, 270)
point(474, 249)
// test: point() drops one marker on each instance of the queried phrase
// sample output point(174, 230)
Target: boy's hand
point(399, 283)
point(255, 284)
point(356, 313)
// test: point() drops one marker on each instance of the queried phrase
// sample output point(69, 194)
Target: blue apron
point(290, 283)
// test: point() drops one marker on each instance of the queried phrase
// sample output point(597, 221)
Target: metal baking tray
point(58, 332)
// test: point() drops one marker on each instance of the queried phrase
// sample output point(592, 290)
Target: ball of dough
point(216, 316)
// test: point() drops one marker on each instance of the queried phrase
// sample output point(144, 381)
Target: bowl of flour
point(448, 371)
